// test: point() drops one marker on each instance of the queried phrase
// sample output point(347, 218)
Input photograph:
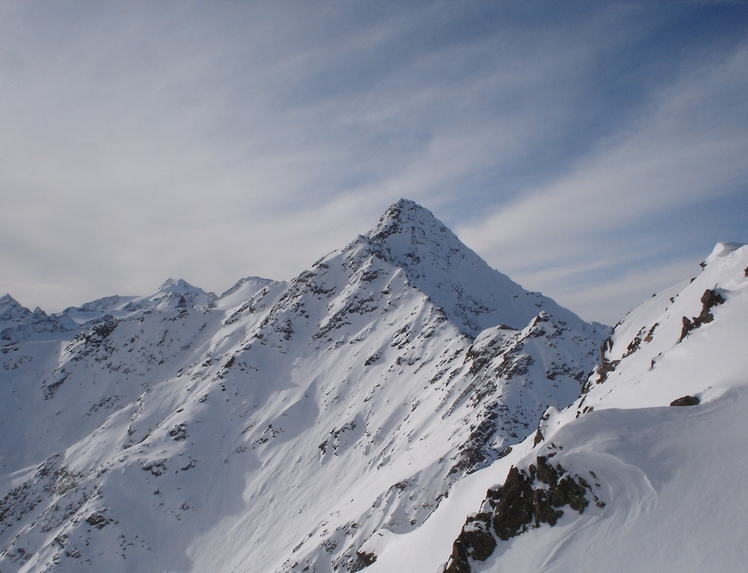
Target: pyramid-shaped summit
point(381, 370)
point(472, 294)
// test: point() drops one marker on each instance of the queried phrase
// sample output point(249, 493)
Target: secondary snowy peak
point(11, 310)
point(244, 290)
point(19, 323)
point(191, 295)
point(173, 294)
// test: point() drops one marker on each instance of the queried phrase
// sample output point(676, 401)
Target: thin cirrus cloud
point(616, 209)
point(211, 142)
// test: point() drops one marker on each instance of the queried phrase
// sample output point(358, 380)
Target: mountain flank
point(355, 417)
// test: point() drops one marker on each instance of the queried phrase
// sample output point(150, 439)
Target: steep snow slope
point(280, 426)
point(473, 295)
point(631, 483)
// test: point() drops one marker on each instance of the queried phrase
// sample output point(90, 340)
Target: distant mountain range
point(400, 406)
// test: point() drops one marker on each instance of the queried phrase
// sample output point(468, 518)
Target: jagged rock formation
point(526, 499)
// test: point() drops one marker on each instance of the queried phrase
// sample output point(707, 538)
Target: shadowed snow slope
point(279, 426)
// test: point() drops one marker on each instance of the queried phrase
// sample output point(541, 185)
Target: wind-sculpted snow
point(670, 480)
point(279, 426)
point(667, 482)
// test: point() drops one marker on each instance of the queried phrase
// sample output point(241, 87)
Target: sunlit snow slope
point(644, 472)
point(279, 426)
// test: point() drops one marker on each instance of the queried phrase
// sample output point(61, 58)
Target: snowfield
point(355, 418)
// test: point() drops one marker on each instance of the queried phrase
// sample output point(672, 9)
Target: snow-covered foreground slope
point(279, 426)
point(632, 482)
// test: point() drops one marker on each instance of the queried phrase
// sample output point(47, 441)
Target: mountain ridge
point(658, 423)
point(310, 425)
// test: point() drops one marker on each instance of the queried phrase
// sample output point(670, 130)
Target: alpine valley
point(399, 407)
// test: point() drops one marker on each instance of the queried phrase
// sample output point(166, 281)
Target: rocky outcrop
point(709, 300)
point(527, 499)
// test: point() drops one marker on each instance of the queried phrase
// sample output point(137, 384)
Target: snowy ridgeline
point(661, 484)
point(355, 418)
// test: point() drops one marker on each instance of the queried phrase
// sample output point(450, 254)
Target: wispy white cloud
point(145, 140)
point(688, 149)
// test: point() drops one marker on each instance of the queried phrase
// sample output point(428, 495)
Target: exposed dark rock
point(686, 401)
point(709, 300)
point(520, 504)
point(474, 542)
point(102, 330)
point(688, 326)
point(475, 453)
point(650, 332)
point(51, 389)
point(98, 521)
point(363, 560)
point(515, 509)
point(156, 468)
point(179, 432)
point(606, 366)
point(633, 346)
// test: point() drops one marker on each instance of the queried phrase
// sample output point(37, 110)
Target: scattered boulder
point(363, 560)
point(98, 521)
point(686, 401)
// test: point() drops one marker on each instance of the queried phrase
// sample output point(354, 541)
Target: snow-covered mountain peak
point(11, 312)
point(410, 233)
point(404, 216)
point(18, 322)
point(180, 286)
point(7, 300)
point(472, 294)
point(173, 293)
point(186, 432)
point(10, 306)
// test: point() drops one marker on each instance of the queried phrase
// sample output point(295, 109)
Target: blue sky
point(594, 151)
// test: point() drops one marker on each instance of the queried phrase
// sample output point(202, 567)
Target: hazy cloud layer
point(593, 153)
